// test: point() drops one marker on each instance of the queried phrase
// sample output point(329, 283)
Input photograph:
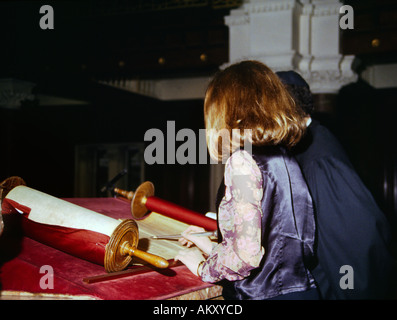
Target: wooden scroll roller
point(143, 201)
point(78, 231)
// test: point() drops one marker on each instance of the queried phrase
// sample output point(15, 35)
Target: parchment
point(54, 211)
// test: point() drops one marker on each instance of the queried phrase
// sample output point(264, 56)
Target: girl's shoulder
point(241, 162)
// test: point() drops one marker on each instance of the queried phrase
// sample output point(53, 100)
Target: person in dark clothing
point(353, 235)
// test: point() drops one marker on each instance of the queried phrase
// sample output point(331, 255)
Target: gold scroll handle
point(124, 193)
point(122, 246)
point(8, 184)
point(138, 198)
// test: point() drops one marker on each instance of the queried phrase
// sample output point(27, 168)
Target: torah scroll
point(76, 230)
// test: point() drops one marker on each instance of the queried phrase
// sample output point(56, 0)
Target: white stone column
point(264, 30)
point(292, 35)
point(328, 70)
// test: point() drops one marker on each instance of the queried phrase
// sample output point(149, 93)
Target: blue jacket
point(288, 231)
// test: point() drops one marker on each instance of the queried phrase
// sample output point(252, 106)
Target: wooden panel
point(375, 28)
point(371, 42)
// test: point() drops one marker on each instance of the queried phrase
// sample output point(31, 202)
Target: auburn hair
point(250, 97)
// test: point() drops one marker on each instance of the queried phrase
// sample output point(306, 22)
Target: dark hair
point(302, 96)
point(299, 89)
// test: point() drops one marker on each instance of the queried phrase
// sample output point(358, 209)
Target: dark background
point(96, 40)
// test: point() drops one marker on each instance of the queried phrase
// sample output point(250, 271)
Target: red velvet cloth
point(22, 272)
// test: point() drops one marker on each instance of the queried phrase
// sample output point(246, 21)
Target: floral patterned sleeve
point(239, 217)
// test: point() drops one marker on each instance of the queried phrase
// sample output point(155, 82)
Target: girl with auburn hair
point(266, 223)
point(249, 96)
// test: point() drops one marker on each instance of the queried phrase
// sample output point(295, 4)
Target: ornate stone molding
point(381, 76)
point(292, 35)
point(326, 7)
point(268, 6)
point(163, 89)
point(237, 18)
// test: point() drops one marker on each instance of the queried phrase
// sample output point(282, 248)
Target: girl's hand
point(191, 258)
point(204, 243)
